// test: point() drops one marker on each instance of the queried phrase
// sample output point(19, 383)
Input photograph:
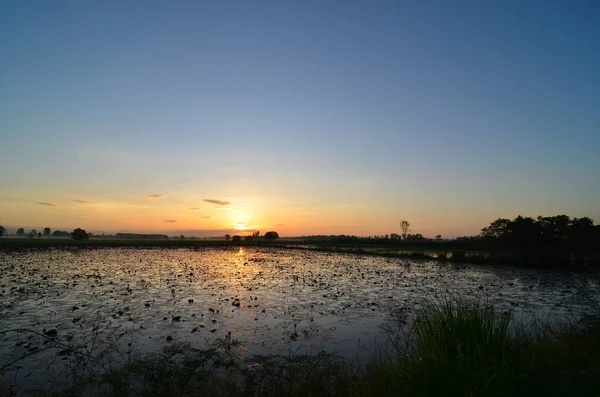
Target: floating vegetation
point(274, 300)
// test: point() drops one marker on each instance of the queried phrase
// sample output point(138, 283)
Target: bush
point(272, 235)
point(79, 234)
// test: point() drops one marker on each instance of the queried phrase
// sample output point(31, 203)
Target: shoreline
point(445, 252)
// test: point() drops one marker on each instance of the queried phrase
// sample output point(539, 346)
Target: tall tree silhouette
point(405, 227)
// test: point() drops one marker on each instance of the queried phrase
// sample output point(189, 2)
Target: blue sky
point(322, 117)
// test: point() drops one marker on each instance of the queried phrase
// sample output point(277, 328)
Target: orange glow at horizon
point(184, 213)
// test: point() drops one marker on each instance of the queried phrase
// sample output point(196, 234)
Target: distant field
point(24, 242)
point(414, 251)
point(390, 250)
point(101, 242)
point(474, 252)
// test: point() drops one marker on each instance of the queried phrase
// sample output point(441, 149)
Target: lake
point(274, 301)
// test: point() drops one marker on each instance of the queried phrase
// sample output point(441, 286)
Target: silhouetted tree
point(438, 237)
point(546, 240)
point(39, 234)
point(554, 228)
point(236, 239)
point(60, 233)
point(2, 230)
point(500, 228)
point(405, 227)
point(524, 232)
point(47, 231)
point(272, 235)
point(249, 238)
point(256, 234)
point(32, 233)
point(182, 237)
point(395, 236)
point(20, 231)
point(228, 237)
point(582, 237)
point(79, 234)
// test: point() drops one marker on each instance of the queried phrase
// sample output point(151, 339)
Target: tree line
point(271, 235)
point(574, 236)
point(76, 234)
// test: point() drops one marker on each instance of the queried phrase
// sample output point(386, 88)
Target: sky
point(304, 117)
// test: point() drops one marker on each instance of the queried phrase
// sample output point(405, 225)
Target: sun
point(241, 223)
point(242, 220)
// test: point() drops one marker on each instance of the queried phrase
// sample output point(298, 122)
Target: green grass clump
point(469, 344)
point(462, 349)
point(455, 349)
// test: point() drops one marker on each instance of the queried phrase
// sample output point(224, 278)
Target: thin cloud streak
point(80, 201)
point(151, 197)
point(12, 198)
point(228, 208)
point(171, 220)
point(194, 208)
point(47, 204)
point(217, 202)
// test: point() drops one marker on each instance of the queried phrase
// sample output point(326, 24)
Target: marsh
point(275, 301)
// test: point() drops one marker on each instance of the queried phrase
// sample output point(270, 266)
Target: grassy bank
point(454, 349)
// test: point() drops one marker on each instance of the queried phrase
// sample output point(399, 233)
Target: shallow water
point(273, 300)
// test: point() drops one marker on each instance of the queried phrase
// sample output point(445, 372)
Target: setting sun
point(240, 222)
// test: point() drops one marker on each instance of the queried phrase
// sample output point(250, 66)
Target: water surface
point(274, 300)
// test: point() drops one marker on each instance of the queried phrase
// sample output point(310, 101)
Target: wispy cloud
point(80, 201)
point(194, 208)
point(12, 198)
point(217, 202)
point(280, 224)
point(152, 197)
point(228, 208)
point(207, 217)
point(171, 220)
point(48, 204)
